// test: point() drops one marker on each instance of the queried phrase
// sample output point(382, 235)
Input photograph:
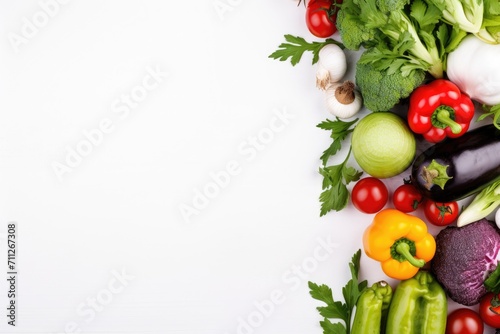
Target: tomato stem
point(443, 210)
point(334, 8)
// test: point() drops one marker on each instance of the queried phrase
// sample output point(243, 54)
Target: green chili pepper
point(371, 309)
point(419, 305)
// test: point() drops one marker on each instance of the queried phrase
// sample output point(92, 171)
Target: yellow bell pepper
point(400, 242)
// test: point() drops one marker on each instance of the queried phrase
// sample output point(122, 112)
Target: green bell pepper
point(419, 305)
point(371, 309)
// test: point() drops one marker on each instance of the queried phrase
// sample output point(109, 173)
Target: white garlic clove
point(322, 77)
point(333, 59)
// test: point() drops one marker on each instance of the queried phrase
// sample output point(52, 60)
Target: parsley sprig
point(336, 309)
point(493, 111)
point(335, 195)
point(295, 47)
point(340, 130)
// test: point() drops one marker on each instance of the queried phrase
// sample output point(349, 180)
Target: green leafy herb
point(395, 58)
point(335, 195)
point(336, 309)
point(340, 130)
point(492, 284)
point(493, 111)
point(396, 30)
point(426, 15)
point(296, 46)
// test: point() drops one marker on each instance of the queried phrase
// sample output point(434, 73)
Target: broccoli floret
point(391, 5)
point(406, 31)
point(353, 32)
point(381, 90)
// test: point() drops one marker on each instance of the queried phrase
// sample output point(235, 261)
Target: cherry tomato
point(321, 16)
point(406, 198)
point(369, 195)
point(464, 321)
point(441, 214)
point(490, 314)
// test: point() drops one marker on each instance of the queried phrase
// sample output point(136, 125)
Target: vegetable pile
point(428, 72)
point(417, 305)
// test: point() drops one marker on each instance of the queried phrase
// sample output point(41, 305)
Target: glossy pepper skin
point(400, 242)
point(372, 308)
point(439, 110)
point(419, 305)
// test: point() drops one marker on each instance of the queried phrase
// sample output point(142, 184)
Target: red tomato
point(369, 195)
point(321, 16)
point(441, 214)
point(464, 321)
point(406, 198)
point(490, 314)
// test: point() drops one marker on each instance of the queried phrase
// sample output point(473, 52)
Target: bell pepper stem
point(404, 249)
point(444, 116)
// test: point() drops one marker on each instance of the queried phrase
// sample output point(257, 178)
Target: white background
point(240, 261)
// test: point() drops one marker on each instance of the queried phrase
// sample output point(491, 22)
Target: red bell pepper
point(439, 110)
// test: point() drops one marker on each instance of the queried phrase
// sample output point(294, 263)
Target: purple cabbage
point(464, 257)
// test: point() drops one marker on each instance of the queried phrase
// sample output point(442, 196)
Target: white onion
point(473, 67)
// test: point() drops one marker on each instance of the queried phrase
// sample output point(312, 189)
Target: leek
point(485, 202)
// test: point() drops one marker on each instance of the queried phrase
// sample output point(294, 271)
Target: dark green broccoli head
point(353, 31)
point(391, 5)
point(382, 91)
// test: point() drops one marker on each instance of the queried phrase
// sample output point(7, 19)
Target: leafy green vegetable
point(403, 41)
point(490, 29)
point(492, 284)
point(465, 14)
point(484, 203)
point(335, 195)
point(354, 32)
point(335, 309)
point(340, 130)
point(383, 89)
point(493, 111)
point(396, 30)
point(297, 46)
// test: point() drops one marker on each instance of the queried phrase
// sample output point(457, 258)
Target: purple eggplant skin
point(473, 162)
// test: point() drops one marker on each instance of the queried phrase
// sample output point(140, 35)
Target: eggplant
point(456, 168)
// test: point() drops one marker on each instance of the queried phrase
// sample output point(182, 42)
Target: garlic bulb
point(332, 65)
point(343, 100)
